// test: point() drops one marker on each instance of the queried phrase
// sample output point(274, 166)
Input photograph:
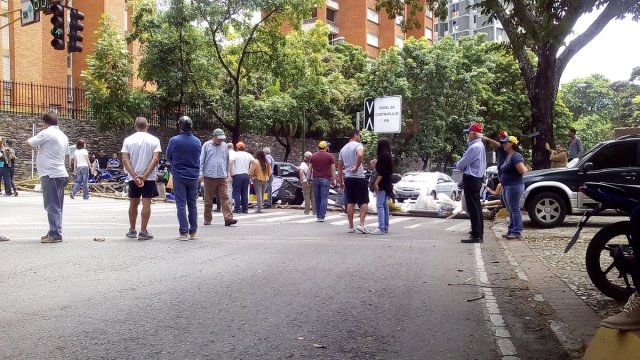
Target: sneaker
point(193, 236)
point(377, 232)
point(230, 222)
point(504, 236)
point(50, 239)
point(72, 195)
point(628, 319)
point(513, 237)
point(145, 235)
point(183, 237)
point(351, 230)
point(44, 236)
point(258, 211)
point(15, 193)
point(363, 229)
point(319, 220)
point(132, 234)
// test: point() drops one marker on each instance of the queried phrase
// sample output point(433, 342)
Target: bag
point(372, 181)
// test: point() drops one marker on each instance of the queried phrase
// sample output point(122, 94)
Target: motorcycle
point(610, 247)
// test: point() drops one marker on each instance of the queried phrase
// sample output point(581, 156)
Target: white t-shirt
point(349, 155)
point(241, 162)
point(81, 157)
point(141, 146)
point(52, 145)
point(305, 171)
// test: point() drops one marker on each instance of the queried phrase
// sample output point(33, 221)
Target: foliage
point(369, 141)
point(111, 98)
point(593, 129)
point(590, 95)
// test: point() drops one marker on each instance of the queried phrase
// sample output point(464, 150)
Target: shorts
point(148, 191)
point(356, 191)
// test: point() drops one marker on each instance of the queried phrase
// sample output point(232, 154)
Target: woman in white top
point(81, 166)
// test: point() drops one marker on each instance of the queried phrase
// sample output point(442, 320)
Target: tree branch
point(213, 31)
point(251, 36)
point(612, 10)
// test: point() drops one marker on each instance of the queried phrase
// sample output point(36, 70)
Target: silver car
point(433, 183)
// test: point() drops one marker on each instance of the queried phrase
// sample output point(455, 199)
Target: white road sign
point(28, 14)
point(387, 114)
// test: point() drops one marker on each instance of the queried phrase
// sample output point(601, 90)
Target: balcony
point(332, 4)
point(308, 24)
point(333, 28)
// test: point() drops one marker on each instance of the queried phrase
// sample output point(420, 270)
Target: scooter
point(610, 248)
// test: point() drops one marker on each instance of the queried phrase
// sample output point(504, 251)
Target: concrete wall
point(18, 128)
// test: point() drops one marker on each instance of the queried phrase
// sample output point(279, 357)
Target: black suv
point(551, 194)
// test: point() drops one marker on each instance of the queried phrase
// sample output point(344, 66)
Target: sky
point(614, 52)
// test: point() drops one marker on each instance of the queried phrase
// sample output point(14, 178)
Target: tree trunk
point(287, 149)
point(542, 97)
point(235, 129)
point(425, 161)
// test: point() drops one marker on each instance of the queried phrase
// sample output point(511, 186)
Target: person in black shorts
point(352, 179)
point(140, 155)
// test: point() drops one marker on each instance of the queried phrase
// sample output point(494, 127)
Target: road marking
point(413, 226)
point(496, 321)
point(394, 220)
point(243, 216)
point(280, 218)
point(314, 219)
point(459, 227)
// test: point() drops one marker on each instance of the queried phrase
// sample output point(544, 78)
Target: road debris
point(319, 346)
point(99, 239)
point(477, 298)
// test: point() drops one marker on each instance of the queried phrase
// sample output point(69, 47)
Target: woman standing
point(513, 169)
point(383, 185)
point(81, 166)
point(4, 169)
point(260, 171)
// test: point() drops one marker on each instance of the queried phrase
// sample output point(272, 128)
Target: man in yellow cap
point(322, 168)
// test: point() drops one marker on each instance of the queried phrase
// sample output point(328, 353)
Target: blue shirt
point(474, 160)
point(214, 160)
point(183, 152)
point(510, 175)
point(502, 156)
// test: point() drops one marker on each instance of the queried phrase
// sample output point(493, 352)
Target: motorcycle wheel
point(608, 276)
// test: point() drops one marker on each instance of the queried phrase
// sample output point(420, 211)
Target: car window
point(616, 155)
point(447, 178)
point(287, 170)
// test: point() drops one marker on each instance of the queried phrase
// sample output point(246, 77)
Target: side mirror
point(395, 178)
point(587, 167)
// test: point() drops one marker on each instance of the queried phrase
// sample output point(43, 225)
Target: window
point(428, 33)
point(399, 42)
point(455, 10)
point(372, 15)
point(429, 13)
point(331, 15)
point(446, 27)
point(616, 155)
point(372, 39)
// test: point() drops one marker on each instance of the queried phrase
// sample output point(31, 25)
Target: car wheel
point(547, 210)
point(400, 200)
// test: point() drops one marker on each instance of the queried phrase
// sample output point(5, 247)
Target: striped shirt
point(474, 160)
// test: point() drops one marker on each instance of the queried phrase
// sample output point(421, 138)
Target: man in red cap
point(473, 164)
point(497, 145)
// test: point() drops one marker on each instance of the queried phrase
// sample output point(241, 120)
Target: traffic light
point(57, 20)
point(75, 27)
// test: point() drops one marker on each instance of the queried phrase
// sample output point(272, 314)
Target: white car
point(413, 183)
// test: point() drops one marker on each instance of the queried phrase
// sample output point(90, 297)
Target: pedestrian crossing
point(163, 214)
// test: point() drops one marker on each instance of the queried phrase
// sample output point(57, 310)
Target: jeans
point(53, 195)
point(260, 187)
point(383, 211)
point(186, 194)
point(512, 194)
point(270, 190)
point(5, 173)
point(321, 193)
point(241, 192)
point(472, 186)
point(82, 179)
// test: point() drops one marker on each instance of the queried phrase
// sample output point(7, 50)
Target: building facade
point(464, 21)
point(33, 72)
point(357, 22)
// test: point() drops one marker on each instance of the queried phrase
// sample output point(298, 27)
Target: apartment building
point(464, 21)
point(357, 22)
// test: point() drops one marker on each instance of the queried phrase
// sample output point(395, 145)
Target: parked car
point(412, 184)
point(551, 194)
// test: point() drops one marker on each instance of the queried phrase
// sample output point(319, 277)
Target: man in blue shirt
point(183, 152)
point(473, 164)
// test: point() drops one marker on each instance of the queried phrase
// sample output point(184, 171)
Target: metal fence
point(71, 103)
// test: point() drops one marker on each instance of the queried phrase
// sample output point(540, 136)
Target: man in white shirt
point(307, 186)
point(240, 174)
point(52, 146)
point(140, 156)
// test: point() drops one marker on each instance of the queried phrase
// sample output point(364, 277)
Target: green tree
point(111, 99)
point(593, 129)
point(543, 27)
point(591, 95)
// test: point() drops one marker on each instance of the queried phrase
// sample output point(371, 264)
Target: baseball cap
point(240, 145)
point(322, 144)
point(219, 134)
point(502, 134)
point(308, 154)
point(474, 127)
point(511, 139)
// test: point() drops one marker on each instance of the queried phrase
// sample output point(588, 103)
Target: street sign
point(29, 14)
point(368, 113)
point(383, 115)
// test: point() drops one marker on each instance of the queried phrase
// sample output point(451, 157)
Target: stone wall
point(19, 128)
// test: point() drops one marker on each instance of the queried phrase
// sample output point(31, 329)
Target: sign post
point(383, 115)
point(29, 14)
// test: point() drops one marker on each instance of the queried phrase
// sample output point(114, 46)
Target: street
point(277, 285)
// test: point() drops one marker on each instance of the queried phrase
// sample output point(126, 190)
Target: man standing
point(214, 171)
point(558, 157)
point(140, 155)
point(575, 145)
point(353, 181)
point(473, 165)
point(240, 175)
point(183, 153)
point(272, 162)
point(52, 146)
point(322, 168)
point(307, 185)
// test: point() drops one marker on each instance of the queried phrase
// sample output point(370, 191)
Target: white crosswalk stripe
point(393, 220)
point(281, 218)
point(314, 219)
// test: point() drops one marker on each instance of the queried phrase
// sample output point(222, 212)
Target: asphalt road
point(277, 285)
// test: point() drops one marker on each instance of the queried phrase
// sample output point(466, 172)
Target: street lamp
point(339, 39)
